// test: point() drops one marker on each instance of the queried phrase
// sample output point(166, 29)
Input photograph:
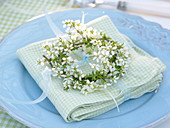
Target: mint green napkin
point(144, 75)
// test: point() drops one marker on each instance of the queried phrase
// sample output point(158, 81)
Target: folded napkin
point(144, 75)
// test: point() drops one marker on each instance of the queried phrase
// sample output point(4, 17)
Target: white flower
point(120, 62)
point(67, 59)
point(112, 69)
point(53, 69)
point(97, 56)
point(75, 74)
point(69, 47)
point(89, 29)
point(85, 34)
point(115, 79)
point(81, 75)
point(74, 68)
point(77, 85)
point(88, 82)
point(92, 85)
point(65, 21)
point(86, 89)
point(66, 84)
point(56, 53)
point(98, 43)
point(95, 34)
point(59, 73)
point(115, 47)
point(69, 79)
point(113, 52)
point(104, 60)
point(80, 27)
point(95, 66)
point(105, 53)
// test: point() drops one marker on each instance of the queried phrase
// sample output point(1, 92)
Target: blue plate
point(16, 83)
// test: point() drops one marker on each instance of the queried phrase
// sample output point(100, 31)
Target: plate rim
point(27, 123)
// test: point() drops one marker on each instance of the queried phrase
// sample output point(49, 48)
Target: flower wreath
point(107, 58)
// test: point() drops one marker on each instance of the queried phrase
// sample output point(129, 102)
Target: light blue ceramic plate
point(16, 83)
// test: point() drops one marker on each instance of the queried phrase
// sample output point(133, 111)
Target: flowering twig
point(110, 58)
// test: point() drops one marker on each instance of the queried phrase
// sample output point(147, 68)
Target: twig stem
point(48, 61)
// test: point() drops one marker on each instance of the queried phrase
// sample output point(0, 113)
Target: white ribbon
point(46, 75)
point(117, 106)
point(83, 17)
point(52, 25)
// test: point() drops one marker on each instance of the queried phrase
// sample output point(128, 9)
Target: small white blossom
point(77, 85)
point(66, 60)
point(105, 53)
point(86, 89)
point(81, 75)
point(96, 56)
point(95, 66)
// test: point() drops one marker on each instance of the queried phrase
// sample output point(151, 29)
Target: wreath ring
point(107, 59)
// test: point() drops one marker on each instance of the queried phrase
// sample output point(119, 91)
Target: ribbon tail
point(83, 17)
point(41, 98)
point(46, 76)
point(53, 27)
point(117, 106)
